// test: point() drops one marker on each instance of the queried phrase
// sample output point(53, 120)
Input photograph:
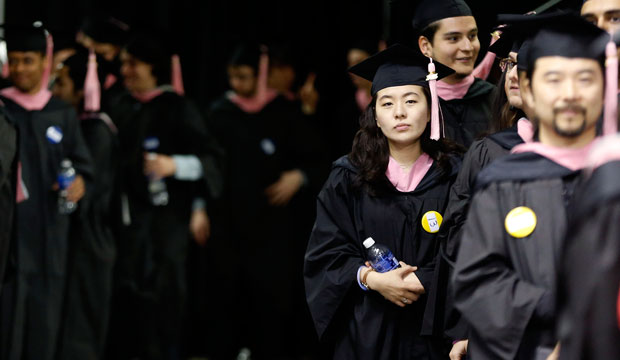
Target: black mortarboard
point(395, 66)
point(106, 30)
point(152, 48)
point(522, 54)
point(25, 37)
point(429, 11)
point(400, 65)
point(559, 34)
point(246, 53)
point(513, 37)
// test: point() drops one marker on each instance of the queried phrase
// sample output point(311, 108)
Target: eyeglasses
point(506, 64)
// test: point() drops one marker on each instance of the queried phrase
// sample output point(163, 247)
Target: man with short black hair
point(448, 33)
point(31, 305)
point(506, 268)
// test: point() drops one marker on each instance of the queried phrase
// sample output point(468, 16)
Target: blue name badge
point(54, 134)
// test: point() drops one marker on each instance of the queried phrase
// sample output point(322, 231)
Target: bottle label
point(151, 143)
point(385, 263)
point(65, 181)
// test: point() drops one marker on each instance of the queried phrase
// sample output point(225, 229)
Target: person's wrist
point(365, 277)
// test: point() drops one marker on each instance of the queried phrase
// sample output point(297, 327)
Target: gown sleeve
point(332, 256)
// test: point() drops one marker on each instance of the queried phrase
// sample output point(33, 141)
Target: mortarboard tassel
point(263, 73)
point(610, 119)
point(177, 75)
point(92, 87)
point(432, 84)
point(49, 53)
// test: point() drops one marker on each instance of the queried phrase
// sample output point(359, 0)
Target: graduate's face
point(402, 113)
point(26, 70)
point(455, 44)
point(242, 80)
point(566, 95)
point(603, 13)
point(511, 85)
point(64, 88)
point(137, 74)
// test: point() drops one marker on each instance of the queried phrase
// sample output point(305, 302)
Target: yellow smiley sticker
point(520, 222)
point(431, 221)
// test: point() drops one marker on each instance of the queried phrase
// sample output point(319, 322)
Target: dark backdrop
point(205, 31)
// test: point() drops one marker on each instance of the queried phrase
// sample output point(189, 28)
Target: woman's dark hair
point(370, 152)
point(503, 115)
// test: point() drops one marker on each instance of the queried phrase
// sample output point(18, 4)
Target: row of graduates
point(523, 265)
point(111, 280)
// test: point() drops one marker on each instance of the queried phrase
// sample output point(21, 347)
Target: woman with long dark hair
point(393, 182)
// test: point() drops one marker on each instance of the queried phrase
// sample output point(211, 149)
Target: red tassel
point(92, 87)
point(177, 76)
point(432, 84)
point(610, 119)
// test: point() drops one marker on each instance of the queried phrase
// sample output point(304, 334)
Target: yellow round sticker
point(520, 222)
point(431, 221)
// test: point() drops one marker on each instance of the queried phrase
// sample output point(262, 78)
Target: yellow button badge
point(431, 221)
point(520, 222)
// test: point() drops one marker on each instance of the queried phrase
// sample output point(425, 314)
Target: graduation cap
point(154, 48)
point(512, 38)
point(566, 34)
point(400, 65)
point(25, 37)
point(106, 30)
point(429, 11)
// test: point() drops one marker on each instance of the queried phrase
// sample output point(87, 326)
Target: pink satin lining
point(408, 181)
point(27, 101)
point(574, 159)
point(454, 91)
point(254, 104)
point(147, 96)
point(483, 69)
point(605, 150)
point(362, 98)
point(525, 129)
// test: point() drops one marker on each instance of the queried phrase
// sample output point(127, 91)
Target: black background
point(205, 31)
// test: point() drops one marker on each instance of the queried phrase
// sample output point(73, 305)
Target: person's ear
point(425, 46)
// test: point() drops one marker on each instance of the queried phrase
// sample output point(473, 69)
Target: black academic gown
point(505, 286)
point(480, 154)
point(467, 118)
point(150, 288)
point(589, 281)
point(253, 255)
point(92, 249)
point(8, 187)
point(362, 324)
point(32, 308)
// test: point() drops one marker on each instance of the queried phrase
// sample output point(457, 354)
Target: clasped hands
point(400, 286)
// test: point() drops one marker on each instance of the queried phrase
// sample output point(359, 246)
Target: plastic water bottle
point(66, 176)
point(380, 257)
point(156, 186)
